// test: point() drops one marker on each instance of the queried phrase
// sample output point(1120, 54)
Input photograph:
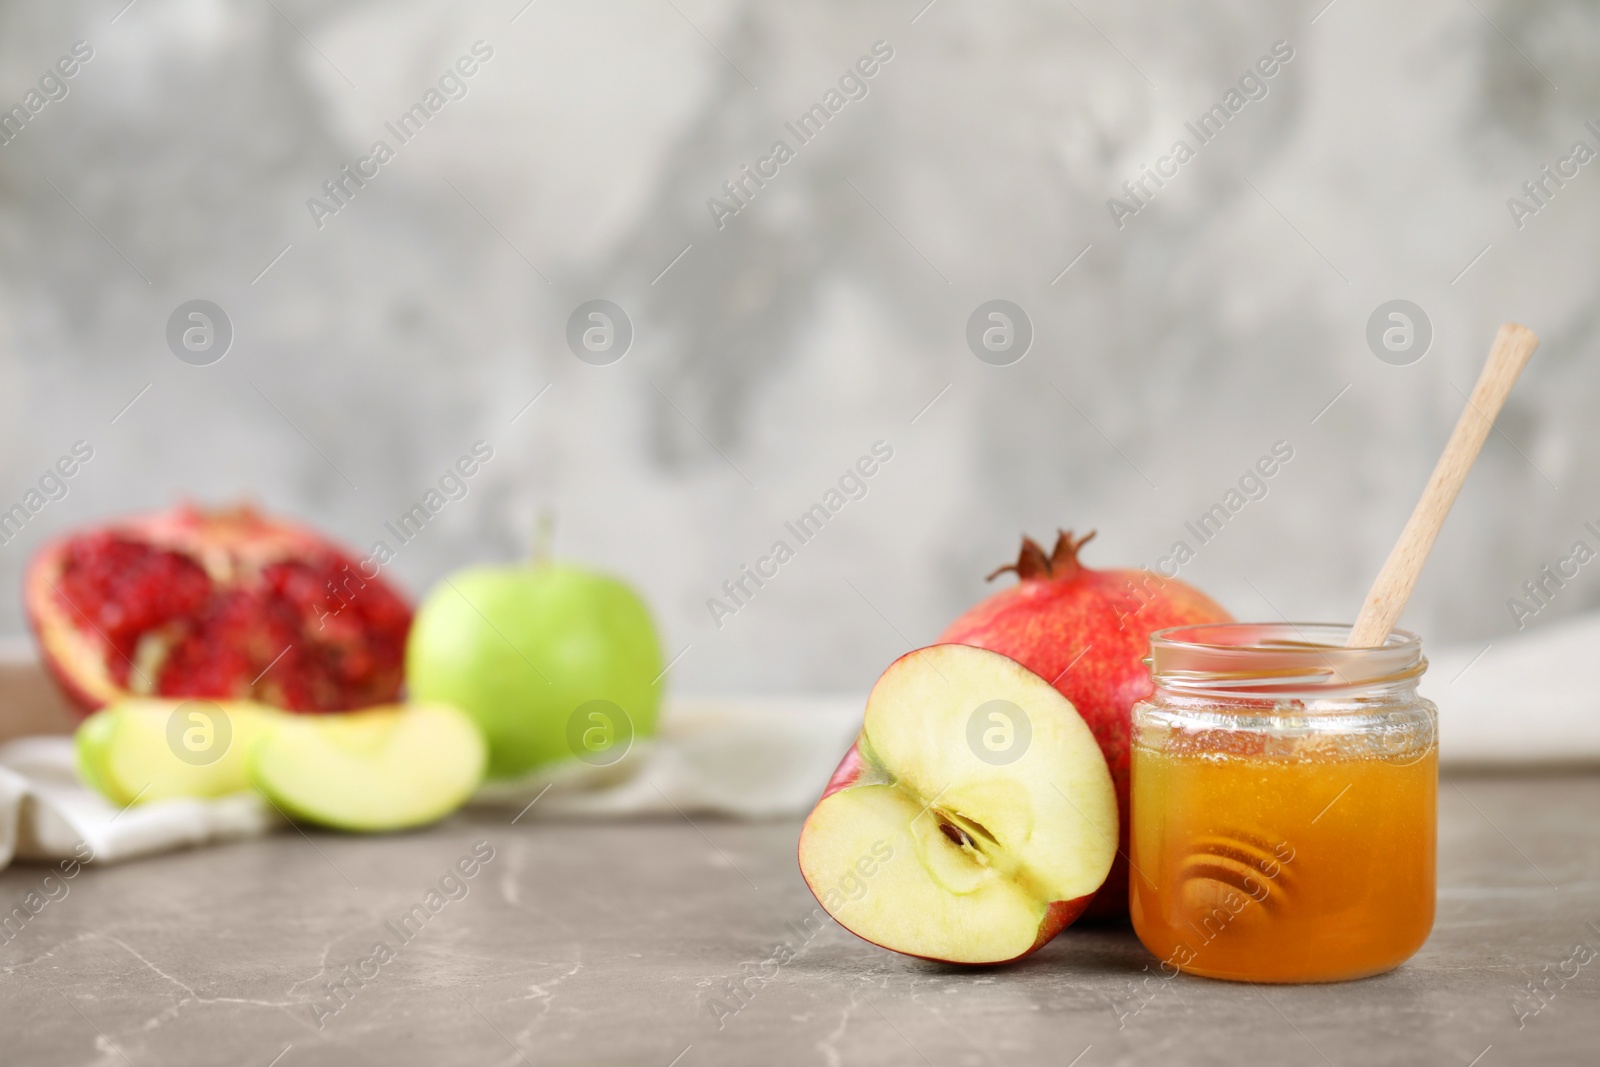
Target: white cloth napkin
point(742, 758)
point(46, 813)
point(1524, 699)
point(752, 759)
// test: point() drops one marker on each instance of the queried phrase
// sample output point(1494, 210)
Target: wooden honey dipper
point(1233, 862)
point(1513, 344)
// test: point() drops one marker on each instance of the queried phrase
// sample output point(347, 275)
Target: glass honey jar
point(1284, 803)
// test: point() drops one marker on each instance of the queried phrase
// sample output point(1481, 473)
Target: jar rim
point(1281, 658)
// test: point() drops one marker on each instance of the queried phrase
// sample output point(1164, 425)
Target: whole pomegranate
point(1088, 632)
point(215, 603)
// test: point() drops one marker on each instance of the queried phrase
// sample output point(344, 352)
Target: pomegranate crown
point(1062, 562)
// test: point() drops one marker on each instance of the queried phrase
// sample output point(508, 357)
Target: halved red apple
point(973, 819)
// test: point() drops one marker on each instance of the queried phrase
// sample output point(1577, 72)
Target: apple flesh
point(388, 768)
point(526, 650)
point(973, 819)
point(139, 750)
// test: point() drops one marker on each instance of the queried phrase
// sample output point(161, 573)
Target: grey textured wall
point(1221, 317)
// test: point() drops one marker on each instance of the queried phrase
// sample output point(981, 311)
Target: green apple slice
point(89, 745)
point(148, 750)
point(385, 768)
point(974, 818)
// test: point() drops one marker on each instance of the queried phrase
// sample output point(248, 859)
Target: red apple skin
point(1088, 632)
point(846, 774)
point(1058, 915)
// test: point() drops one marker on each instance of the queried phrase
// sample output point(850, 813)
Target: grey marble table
point(616, 943)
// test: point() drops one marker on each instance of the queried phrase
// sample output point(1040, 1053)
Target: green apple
point(387, 768)
point(553, 662)
point(139, 750)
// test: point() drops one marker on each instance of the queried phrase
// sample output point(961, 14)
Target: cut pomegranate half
point(222, 604)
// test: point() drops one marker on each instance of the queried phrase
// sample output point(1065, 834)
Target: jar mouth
point(1279, 659)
